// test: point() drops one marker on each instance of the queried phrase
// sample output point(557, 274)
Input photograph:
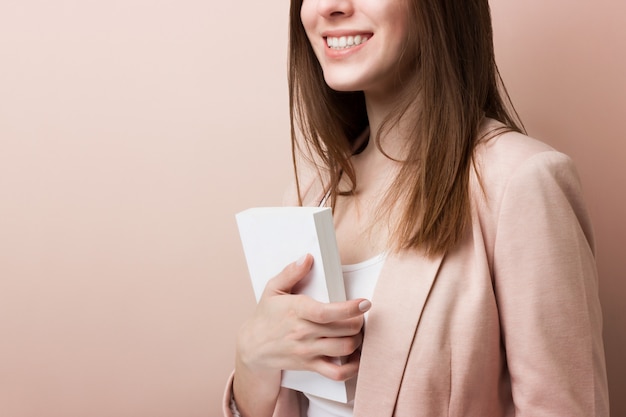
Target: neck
point(394, 136)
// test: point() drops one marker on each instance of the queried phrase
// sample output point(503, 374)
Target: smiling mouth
point(345, 42)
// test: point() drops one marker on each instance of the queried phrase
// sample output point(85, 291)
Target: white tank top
point(359, 280)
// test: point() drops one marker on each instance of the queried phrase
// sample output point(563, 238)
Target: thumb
point(289, 276)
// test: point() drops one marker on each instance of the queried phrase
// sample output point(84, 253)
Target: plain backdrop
point(132, 131)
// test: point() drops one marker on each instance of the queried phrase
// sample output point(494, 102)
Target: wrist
point(255, 392)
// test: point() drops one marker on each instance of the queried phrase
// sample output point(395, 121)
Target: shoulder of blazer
point(499, 158)
point(512, 163)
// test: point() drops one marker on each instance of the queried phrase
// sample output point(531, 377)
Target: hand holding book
point(302, 324)
point(293, 331)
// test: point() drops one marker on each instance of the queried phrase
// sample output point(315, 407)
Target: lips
point(345, 42)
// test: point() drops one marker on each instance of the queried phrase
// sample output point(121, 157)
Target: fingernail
point(301, 260)
point(364, 305)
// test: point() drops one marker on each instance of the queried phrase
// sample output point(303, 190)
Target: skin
point(289, 331)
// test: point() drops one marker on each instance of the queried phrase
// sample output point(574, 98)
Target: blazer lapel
point(397, 304)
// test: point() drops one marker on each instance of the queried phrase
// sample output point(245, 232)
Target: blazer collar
point(399, 298)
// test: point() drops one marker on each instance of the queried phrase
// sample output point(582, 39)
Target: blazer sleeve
point(545, 282)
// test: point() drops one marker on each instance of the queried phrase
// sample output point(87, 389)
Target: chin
point(343, 89)
point(339, 85)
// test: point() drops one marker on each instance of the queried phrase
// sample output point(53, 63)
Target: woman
point(474, 236)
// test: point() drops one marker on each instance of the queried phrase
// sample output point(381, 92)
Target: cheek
point(307, 16)
point(400, 35)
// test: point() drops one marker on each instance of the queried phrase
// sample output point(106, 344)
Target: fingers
point(338, 346)
point(289, 276)
point(335, 370)
point(322, 313)
point(342, 328)
point(306, 307)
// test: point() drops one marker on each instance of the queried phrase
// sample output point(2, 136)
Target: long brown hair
point(458, 84)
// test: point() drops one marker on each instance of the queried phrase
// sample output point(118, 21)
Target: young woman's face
point(359, 43)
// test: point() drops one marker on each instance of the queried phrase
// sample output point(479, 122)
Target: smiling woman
point(127, 133)
point(470, 238)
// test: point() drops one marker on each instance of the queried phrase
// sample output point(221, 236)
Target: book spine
point(330, 255)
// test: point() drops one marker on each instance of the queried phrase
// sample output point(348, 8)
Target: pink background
point(128, 133)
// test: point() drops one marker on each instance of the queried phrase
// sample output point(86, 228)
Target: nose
point(335, 8)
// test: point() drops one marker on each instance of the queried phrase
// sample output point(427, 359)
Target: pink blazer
point(508, 323)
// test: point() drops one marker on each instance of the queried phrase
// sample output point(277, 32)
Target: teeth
point(344, 42)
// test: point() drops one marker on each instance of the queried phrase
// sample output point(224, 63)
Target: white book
point(272, 238)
